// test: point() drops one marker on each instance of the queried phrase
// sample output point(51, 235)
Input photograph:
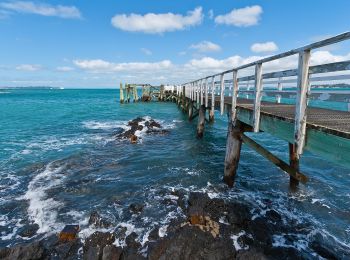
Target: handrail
point(197, 89)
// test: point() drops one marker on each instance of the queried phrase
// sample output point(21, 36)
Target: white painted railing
point(200, 87)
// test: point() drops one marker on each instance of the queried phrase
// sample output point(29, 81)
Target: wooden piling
point(201, 121)
point(121, 96)
point(233, 150)
point(190, 110)
point(294, 163)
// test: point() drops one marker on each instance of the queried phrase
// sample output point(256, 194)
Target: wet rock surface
point(150, 126)
point(209, 229)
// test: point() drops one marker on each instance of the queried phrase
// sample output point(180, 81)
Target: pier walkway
point(322, 131)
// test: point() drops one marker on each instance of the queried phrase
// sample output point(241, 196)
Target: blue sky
point(81, 43)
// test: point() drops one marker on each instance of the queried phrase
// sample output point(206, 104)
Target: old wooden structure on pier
point(148, 93)
point(322, 131)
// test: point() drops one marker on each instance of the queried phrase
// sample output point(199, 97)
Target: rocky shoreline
point(210, 229)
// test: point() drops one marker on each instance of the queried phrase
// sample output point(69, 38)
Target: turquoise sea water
point(59, 161)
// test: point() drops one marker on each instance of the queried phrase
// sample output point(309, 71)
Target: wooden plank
point(301, 101)
point(222, 92)
point(258, 94)
point(274, 159)
point(234, 94)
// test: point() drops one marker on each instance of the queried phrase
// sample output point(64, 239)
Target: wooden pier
point(324, 132)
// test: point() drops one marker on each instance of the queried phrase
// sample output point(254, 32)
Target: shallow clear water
point(59, 161)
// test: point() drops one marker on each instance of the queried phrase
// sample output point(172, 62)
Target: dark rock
point(190, 242)
point(323, 250)
point(111, 252)
point(154, 234)
point(29, 230)
point(136, 208)
point(31, 251)
point(68, 250)
point(94, 244)
point(96, 220)
point(251, 254)
point(273, 215)
point(132, 249)
point(288, 253)
point(262, 232)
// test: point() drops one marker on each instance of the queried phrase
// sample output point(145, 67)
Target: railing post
point(257, 101)
point(201, 89)
point(222, 90)
point(234, 94)
point(212, 108)
point(301, 101)
point(197, 98)
point(206, 92)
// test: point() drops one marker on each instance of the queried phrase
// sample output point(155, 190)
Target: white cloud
point(64, 69)
point(105, 66)
point(264, 47)
point(243, 17)
point(206, 46)
point(157, 23)
point(146, 51)
point(42, 9)
point(322, 57)
point(28, 67)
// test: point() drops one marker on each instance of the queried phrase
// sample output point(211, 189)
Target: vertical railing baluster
point(257, 101)
point(234, 94)
point(206, 92)
point(222, 90)
point(201, 89)
point(301, 101)
point(213, 92)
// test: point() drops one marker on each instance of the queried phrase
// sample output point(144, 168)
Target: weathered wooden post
point(212, 109)
point(190, 110)
point(257, 101)
point(294, 163)
point(201, 121)
point(121, 95)
point(233, 149)
point(222, 93)
point(127, 86)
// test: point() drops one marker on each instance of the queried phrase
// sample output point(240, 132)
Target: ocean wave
point(43, 210)
point(106, 125)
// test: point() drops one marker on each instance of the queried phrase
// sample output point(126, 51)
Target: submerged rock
point(136, 208)
point(29, 230)
point(96, 220)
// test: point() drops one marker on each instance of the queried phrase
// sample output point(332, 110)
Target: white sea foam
point(43, 210)
point(107, 125)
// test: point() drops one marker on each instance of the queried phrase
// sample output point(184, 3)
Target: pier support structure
point(201, 121)
point(233, 150)
point(190, 110)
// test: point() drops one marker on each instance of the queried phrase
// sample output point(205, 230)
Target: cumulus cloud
point(206, 46)
point(146, 51)
point(157, 23)
point(244, 17)
point(264, 47)
point(42, 9)
point(64, 69)
point(28, 67)
point(99, 65)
